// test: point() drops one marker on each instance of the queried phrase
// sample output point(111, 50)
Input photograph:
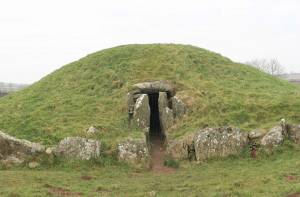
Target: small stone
point(92, 130)
point(33, 164)
point(152, 193)
point(49, 151)
point(12, 160)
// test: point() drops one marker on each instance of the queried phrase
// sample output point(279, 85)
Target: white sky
point(39, 36)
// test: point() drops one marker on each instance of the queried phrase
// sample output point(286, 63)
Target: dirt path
point(158, 157)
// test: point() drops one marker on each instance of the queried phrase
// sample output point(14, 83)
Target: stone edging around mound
point(202, 145)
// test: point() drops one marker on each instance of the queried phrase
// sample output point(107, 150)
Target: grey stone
point(12, 160)
point(178, 107)
point(11, 147)
point(33, 164)
point(154, 87)
point(256, 134)
point(130, 103)
point(79, 148)
point(294, 133)
point(92, 130)
point(218, 142)
point(152, 193)
point(49, 151)
point(134, 151)
point(141, 113)
point(139, 109)
point(182, 149)
point(273, 138)
point(165, 113)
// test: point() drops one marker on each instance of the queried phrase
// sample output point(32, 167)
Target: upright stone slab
point(79, 148)
point(130, 103)
point(165, 113)
point(133, 151)
point(182, 148)
point(178, 107)
point(219, 142)
point(294, 133)
point(141, 114)
point(273, 138)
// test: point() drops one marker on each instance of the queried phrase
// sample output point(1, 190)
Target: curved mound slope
point(92, 91)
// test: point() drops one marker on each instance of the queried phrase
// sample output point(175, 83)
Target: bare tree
point(271, 66)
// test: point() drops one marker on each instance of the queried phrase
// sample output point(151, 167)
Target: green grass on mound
point(92, 91)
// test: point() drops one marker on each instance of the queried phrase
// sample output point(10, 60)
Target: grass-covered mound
point(92, 91)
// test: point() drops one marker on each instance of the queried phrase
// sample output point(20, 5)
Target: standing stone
point(133, 151)
point(273, 138)
point(130, 104)
point(294, 133)
point(79, 148)
point(165, 113)
point(178, 107)
point(141, 113)
point(182, 149)
point(218, 142)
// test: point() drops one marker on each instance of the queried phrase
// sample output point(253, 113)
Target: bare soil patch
point(86, 178)
point(158, 157)
point(291, 178)
point(294, 195)
point(61, 192)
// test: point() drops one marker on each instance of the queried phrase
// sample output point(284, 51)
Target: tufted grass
point(92, 91)
point(274, 175)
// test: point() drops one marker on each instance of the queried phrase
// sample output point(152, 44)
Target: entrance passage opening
point(155, 127)
point(156, 136)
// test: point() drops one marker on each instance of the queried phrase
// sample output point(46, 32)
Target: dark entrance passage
point(156, 137)
point(155, 128)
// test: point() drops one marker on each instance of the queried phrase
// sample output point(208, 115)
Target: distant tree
point(271, 66)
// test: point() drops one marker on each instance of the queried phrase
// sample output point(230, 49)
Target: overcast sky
point(39, 36)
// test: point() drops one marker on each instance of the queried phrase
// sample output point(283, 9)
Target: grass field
point(92, 91)
point(269, 175)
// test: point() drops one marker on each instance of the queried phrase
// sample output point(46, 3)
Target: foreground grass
point(275, 175)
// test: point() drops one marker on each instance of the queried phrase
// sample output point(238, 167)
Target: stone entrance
point(154, 107)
